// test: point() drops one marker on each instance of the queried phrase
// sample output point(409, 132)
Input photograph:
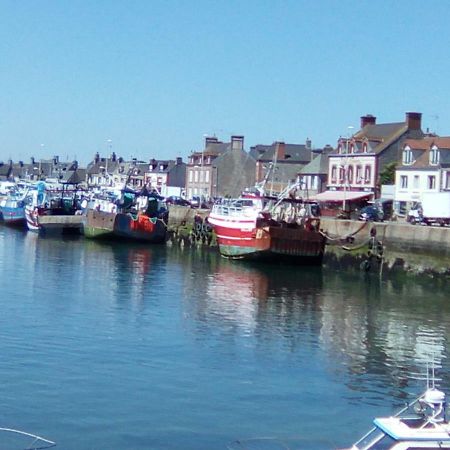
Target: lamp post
point(345, 168)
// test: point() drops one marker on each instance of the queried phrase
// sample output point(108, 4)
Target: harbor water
point(124, 346)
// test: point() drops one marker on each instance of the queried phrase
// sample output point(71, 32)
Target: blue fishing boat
point(12, 210)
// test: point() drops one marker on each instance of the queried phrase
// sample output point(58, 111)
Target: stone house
point(287, 159)
point(220, 169)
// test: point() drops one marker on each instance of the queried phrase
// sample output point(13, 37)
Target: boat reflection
point(257, 296)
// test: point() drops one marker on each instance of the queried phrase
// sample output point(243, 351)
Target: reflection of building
point(372, 333)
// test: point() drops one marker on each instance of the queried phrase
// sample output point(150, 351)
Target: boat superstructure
point(422, 424)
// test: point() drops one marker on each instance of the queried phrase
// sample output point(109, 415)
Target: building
point(168, 177)
point(220, 169)
point(314, 176)
point(424, 167)
point(354, 168)
point(288, 161)
point(109, 171)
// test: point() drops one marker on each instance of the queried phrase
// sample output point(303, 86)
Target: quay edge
point(409, 249)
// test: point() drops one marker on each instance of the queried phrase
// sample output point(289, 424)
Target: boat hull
point(109, 225)
point(45, 221)
point(244, 238)
point(296, 245)
point(13, 217)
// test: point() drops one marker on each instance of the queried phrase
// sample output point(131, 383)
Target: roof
point(295, 153)
point(319, 165)
point(428, 141)
point(421, 152)
point(379, 137)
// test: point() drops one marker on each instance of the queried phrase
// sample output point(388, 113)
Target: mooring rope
point(345, 237)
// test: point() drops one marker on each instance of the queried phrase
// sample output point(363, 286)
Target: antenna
point(436, 119)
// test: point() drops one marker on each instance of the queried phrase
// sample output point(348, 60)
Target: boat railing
point(235, 210)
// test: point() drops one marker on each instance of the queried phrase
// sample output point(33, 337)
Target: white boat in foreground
point(423, 424)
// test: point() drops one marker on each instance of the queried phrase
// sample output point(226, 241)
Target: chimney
point(21, 163)
point(113, 157)
point(179, 160)
point(55, 160)
point(211, 140)
point(308, 144)
point(414, 120)
point(97, 158)
point(368, 119)
point(32, 160)
point(237, 143)
point(280, 148)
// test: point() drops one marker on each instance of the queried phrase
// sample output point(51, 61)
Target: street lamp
point(345, 167)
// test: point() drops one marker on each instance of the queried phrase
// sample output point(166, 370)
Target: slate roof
point(379, 137)
point(319, 165)
point(421, 151)
point(295, 153)
point(5, 171)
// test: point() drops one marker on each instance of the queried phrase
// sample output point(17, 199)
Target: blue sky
point(155, 76)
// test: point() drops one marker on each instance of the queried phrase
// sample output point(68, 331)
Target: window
point(190, 176)
point(431, 182)
point(364, 148)
point(196, 176)
point(416, 182)
point(350, 175)
point(447, 180)
point(207, 176)
point(407, 156)
point(333, 174)
point(404, 181)
point(434, 155)
point(358, 174)
point(341, 175)
point(367, 174)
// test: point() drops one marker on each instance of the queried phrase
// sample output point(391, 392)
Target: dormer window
point(434, 155)
point(407, 156)
point(364, 147)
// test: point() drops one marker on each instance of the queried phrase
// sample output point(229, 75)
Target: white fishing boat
point(422, 424)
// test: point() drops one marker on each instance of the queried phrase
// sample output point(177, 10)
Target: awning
point(340, 196)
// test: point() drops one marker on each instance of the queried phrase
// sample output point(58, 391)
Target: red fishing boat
point(256, 226)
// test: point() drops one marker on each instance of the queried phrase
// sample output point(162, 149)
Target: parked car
point(371, 213)
point(174, 200)
point(198, 202)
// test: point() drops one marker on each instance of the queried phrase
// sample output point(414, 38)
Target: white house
point(425, 167)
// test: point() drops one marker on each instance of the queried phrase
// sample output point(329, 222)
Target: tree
point(387, 175)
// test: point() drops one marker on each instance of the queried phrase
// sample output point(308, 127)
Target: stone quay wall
point(401, 236)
